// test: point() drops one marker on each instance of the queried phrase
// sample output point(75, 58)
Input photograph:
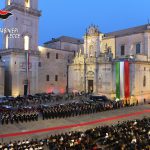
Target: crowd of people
point(30, 100)
point(24, 109)
point(19, 115)
point(37, 99)
point(76, 109)
point(24, 145)
point(31, 108)
point(129, 135)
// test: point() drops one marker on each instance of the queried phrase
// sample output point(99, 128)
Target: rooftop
point(66, 39)
point(133, 30)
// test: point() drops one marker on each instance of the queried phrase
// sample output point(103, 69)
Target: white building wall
point(147, 44)
point(2, 76)
point(15, 65)
point(130, 44)
point(25, 24)
point(139, 90)
point(52, 66)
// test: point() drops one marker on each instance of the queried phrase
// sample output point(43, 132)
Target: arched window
point(6, 41)
point(27, 3)
point(91, 48)
point(138, 48)
point(26, 42)
point(8, 2)
point(122, 50)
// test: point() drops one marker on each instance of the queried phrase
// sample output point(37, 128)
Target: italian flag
point(122, 79)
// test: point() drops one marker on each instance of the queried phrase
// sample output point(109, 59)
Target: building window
point(144, 81)
point(56, 55)
point(39, 64)
point(48, 55)
point(47, 77)
point(138, 48)
point(122, 50)
point(68, 60)
point(6, 41)
point(27, 3)
point(26, 42)
point(91, 49)
point(56, 78)
point(8, 2)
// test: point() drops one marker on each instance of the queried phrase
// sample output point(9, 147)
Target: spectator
point(129, 135)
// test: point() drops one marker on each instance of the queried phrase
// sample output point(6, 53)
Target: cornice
point(4, 52)
point(23, 9)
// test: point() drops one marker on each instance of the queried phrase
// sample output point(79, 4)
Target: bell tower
point(92, 40)
point(20, 47)
point(24, 23)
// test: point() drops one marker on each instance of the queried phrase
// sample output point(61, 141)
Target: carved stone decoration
point(90, 74)
point(93, 30)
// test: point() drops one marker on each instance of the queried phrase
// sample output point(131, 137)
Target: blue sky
point(71, 17)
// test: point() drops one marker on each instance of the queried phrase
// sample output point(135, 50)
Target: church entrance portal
point(90, 86)
point(25, 90)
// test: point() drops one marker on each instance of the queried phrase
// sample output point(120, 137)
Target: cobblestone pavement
point(40, 124)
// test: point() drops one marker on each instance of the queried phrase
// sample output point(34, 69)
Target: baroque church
point(115, 64)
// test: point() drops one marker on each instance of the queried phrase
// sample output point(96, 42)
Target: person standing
point(144, 101)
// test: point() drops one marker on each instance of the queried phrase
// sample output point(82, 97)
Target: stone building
point(20, 79)
point(115, 64)
point(55, 56)
point(1, 78)
point(96, 69)
point(30, 69)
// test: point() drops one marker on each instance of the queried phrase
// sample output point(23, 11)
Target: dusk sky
point(71, 17)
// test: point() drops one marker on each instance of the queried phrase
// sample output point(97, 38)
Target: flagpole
point(27, 61)
point(28, 72)
point(85, 64)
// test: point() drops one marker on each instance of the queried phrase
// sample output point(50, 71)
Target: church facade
point(115, 64)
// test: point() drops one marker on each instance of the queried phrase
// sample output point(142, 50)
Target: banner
point(122, 79)
point(127, 79)
point(118, 80)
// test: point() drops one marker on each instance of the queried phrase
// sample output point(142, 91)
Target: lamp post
point(67, 76)
point(26, 48)
point(85, 53)
point(85, 74)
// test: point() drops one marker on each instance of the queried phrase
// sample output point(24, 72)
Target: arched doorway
point(90, 81)
point(90, 86)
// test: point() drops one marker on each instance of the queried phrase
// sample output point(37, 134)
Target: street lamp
point(26, 48)
point(67, 76)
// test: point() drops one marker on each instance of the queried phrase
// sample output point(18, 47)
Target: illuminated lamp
point(49, 90)
point(15, 93)
point(62, 91)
